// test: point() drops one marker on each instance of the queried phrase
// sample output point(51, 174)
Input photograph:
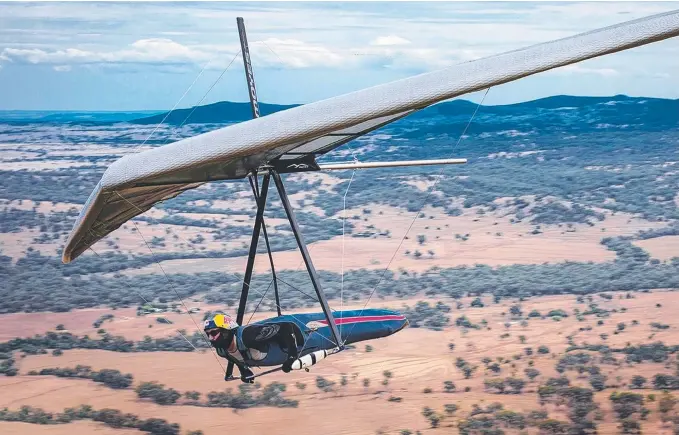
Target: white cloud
point(391, 52)
point(297, 54)
point(62, 68)
point(577, 69)
point(156, 50)
point(172, 33)
point(389, 40)
point(357, 34)
point(354, 43)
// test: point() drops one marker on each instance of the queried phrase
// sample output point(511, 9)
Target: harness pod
point(272, 355)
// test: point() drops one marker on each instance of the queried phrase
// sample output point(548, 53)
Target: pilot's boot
point(246, 373)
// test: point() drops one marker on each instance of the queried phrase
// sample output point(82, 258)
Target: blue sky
point(138, 56)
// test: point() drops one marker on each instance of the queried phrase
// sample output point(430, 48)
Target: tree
point(432, 416)
point(324, 384)
point(598, 381)
point(115, 379)
point(449, 386)
point(630, 426)
point(497, 384)
point(468, 371)
point(450, 408)
point(157, 393)
point(626, 404)
point(515, 384)
point(515, 310)
point(637, 381)
point(192, 395)
point(532, 373)
point(665, 405)
point(387, 375)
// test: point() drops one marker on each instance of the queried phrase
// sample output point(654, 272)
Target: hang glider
point(290, 138)
point(290, 141)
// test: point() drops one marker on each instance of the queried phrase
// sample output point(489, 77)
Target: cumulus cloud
point(297, 54)
point(389, 40)
point(577, 69)
point(386, 51)
point(357, 36)
point(154, 50)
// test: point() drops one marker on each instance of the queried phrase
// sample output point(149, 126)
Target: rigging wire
point(175, 104)
point(240, 281)
point(175, 290)
point(206, 93)
point(170, 281)
point(147, 301)
point(183, 122)
point(260, 301)
point(292, 315)
point(344, 221)
point(348, 144)
point(184, 95)
point(431, 189)
point(179, 297)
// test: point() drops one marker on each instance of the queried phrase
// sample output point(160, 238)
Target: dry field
point(493, 241)
point(418, 358)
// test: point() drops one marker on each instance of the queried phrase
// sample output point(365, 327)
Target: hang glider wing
point(134, 183)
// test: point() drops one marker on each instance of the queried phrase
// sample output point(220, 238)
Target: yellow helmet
point(222, 321)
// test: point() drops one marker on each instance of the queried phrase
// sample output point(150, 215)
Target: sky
point(145, 56)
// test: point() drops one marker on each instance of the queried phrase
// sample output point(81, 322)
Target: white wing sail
point(133, 184)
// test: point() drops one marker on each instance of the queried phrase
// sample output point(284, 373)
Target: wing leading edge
point(134, 183)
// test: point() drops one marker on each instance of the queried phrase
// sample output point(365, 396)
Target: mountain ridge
point(229, 112)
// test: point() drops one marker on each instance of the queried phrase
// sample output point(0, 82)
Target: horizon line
point(301, 104)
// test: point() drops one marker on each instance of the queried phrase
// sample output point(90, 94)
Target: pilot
point(238, 344)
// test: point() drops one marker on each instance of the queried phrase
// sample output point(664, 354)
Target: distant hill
point(77, 117)
point(625, 110)
point(216, 113)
